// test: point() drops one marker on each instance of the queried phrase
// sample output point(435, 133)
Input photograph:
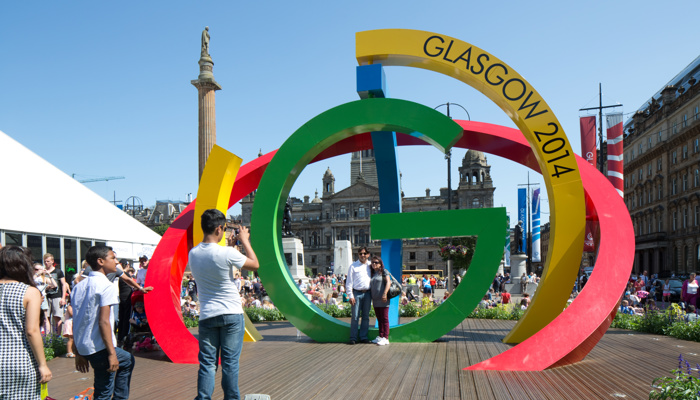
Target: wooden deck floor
point(622, 366)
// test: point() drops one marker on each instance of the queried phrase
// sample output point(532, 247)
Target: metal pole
point(600, 126)
point(448, 156)
point(601, 161)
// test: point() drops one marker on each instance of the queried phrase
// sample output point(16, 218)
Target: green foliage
point(409, 310)
point(335, 311)
point(54, 346)
point(308, 272)
point(260, 314)
point(191, 322)
point(625, 321)
point(669, 322)
point(682, 385)
point(685, 331)
point(501, 311)
point(653, 322)
point(459, 249)
point(160, 229)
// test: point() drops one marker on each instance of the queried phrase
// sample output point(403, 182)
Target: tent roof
point(75, 211)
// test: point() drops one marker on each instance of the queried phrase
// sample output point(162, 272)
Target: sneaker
point(382, 342)
point(376, 340)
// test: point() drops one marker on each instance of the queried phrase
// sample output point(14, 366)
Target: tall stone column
point(206, 86)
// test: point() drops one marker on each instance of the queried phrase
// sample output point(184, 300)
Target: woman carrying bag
point(379, 284)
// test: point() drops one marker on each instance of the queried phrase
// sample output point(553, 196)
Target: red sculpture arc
point(567, 339)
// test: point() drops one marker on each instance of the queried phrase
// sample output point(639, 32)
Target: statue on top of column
point(205, 42)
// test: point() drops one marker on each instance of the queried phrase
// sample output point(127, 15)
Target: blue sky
point(103, 88)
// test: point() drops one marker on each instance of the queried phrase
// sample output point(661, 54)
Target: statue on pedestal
point(519, 238)
point(287, 222)
point(205, 42)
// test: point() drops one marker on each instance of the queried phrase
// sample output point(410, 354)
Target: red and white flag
point(588, 151)
point(615, 149)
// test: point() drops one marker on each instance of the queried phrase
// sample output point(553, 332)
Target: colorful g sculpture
point(549, 337)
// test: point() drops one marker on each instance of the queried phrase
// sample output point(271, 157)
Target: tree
point(458, 249)
point(160, 229)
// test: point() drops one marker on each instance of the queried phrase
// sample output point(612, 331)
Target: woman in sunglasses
point(379, 287)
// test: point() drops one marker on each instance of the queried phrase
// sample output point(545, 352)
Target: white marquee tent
point(75, 216)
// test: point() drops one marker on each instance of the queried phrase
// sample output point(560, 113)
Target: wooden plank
point(436, 387)
point(451, 383)
point(286, 368)
point(420, 389)
point(409, 379)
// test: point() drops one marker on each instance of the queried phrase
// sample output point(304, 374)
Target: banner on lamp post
point(588, 151)
point(588, 139)
point(522, 217)
point(536, 226)
point(615, 149)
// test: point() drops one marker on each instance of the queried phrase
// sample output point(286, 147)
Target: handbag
point(394, 288)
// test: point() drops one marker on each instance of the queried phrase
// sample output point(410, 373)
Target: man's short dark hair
point(363, 248)
point(211, 219)
point(96, 252)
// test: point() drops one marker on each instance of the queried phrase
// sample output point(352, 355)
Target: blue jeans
point(221, 334)
point(108, 383)
point(363, 301)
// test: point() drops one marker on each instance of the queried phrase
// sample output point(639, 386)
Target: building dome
point(474, 156)
point(328, 173)
point(316, 200)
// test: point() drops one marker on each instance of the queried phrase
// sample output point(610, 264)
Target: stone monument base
point(342, 257)
point(294, 256)
point(518, 266)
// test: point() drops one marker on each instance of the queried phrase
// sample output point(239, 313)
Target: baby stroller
point(140, 337)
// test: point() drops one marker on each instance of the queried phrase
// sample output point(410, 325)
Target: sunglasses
point(363, 253)
point(376, 262)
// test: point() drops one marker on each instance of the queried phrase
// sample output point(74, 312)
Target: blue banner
point(536, 226)
point(522, 220)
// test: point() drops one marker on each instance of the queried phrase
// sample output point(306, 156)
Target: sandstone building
point(344, 214)
point(662, 177)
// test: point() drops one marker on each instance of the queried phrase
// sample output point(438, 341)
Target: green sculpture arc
point(328, 128)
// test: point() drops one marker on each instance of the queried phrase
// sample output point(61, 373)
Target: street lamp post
point(448, 157)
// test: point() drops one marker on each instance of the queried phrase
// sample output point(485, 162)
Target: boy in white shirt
point(93, 318)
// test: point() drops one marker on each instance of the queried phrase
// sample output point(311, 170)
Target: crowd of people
point(36, 301)
point(638, 297)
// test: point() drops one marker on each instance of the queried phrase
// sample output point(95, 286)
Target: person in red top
point(432, 281)
point(505, 297)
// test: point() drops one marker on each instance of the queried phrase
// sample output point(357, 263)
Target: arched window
point(362, 212)
point(343, 235)
point(363, 237)
point(475, 202)
point(686, 258)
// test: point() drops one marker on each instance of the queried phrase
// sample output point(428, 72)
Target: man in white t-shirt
point(221, 321)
